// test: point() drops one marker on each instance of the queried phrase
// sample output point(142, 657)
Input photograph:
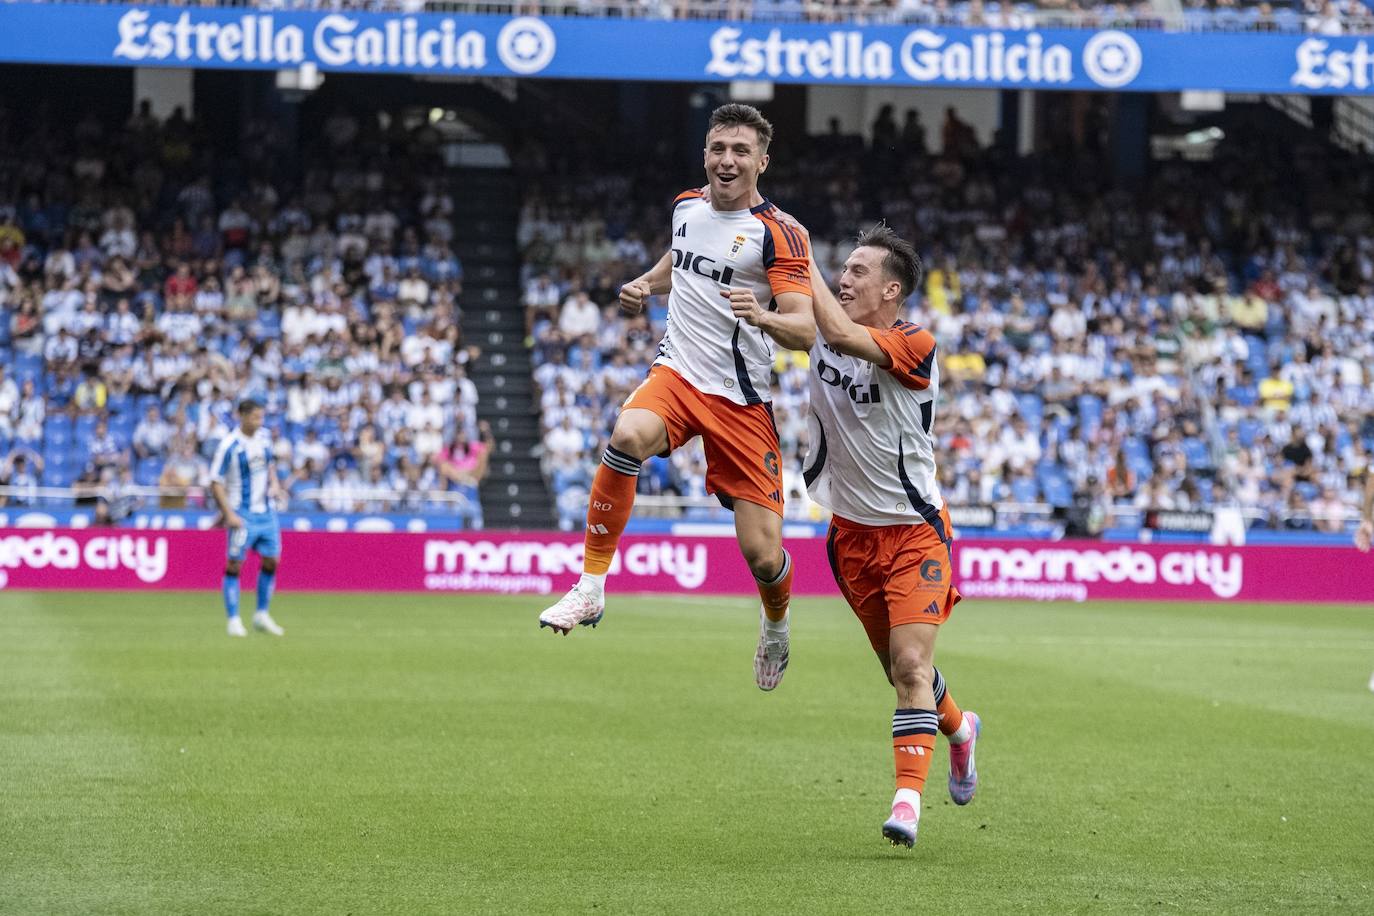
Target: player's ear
point(763, 163)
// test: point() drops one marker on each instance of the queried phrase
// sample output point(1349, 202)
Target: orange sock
point(608, 511)
point(777, 592)
point(951, 716)
point(913, 746)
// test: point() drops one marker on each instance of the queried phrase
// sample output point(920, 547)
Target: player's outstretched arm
point(839, 330)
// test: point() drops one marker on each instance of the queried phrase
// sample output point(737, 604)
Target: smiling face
point(868, 294)
point(735, 158)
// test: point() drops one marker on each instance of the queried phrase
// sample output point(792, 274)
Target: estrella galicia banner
point(696, 51)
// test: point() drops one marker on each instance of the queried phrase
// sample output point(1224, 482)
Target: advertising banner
point(547, 563)
point(686, 51)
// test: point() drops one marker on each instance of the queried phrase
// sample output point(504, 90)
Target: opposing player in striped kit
point(874, 384)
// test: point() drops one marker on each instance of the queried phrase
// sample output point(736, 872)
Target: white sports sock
point(777, 626)
point(911, 797)
point(962, 733)
point(592, 582)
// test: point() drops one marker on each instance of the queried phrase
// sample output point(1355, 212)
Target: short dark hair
point(248, 405)
point(738, 115)
point(902, 263)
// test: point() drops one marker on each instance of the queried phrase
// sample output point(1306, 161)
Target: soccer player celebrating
point(244, 484)
point(872, 463)
point(730, 255)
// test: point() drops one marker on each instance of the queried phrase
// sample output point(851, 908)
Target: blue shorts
point(260, 534)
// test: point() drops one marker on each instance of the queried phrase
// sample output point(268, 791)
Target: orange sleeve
point(692, 194)
point(789, 270)
point(912, 351)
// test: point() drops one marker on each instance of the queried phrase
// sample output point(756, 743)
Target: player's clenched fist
point(744, 305)
point(633, 296)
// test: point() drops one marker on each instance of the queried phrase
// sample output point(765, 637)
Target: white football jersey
point(714, 251)
point(872, 455)
point(242, 464)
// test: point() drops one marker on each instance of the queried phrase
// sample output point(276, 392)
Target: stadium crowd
point(146, 286)
point(1326, 17)
point(1202, 341)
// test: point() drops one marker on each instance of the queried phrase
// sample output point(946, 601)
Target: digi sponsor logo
point(530, 566)
point(145, 556)
point(702, 266)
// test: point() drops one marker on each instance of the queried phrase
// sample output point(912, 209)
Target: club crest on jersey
point(734, 249)
point(859, 394)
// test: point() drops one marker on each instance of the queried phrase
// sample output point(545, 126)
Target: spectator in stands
point(19, 471)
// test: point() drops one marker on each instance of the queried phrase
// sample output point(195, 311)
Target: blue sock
point(231, 595)
point(265, 582)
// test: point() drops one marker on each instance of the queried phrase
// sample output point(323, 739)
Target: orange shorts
point(742, 451)
point(893, 575)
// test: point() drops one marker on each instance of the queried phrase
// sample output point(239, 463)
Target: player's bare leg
point(759, 531)
point(637, 435)
point(915, 723)
point(960, 728)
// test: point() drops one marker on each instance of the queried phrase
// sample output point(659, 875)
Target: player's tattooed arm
point(656, 281)
point(792, 325)
point(839, 330)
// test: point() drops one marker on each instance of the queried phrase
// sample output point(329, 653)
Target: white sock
point(911, 797)
point(592, 582)
point(962, 733)
point(777, 626)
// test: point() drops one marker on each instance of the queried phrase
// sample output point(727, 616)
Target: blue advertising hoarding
point(695, 51)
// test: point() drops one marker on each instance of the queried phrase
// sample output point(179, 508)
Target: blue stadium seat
point(1025, 490)
point(1058, 490)
point(1031, 406)
point(1089, 412)
point(1196, 453)
point(147, 471)
point(1135, 450)
point(120, 404)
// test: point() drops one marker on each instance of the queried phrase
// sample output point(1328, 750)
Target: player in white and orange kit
point(874, 385)
point(739, 283)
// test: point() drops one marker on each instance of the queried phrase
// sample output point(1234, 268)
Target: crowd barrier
point(547, 563)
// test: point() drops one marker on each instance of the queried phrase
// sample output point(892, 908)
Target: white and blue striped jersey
point(242, 464)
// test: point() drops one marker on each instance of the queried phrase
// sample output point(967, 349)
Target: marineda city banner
point(548, 563)
point(687, 51)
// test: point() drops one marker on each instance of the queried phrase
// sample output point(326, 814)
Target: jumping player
point(738, 283)
point(872, 463)
point(244, 484)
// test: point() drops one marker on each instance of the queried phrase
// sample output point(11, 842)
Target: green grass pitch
point(402, 754)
